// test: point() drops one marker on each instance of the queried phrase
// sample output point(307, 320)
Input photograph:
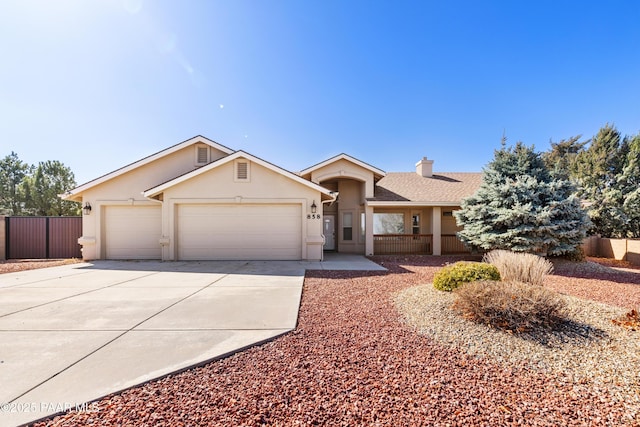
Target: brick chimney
point(425, 168)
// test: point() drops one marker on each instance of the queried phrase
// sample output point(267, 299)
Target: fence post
point(3, 238)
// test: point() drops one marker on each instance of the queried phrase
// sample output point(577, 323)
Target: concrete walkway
point(75, 333)
point(339, 261)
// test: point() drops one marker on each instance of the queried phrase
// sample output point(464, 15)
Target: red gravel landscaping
point(351, 361)
point(14, 265)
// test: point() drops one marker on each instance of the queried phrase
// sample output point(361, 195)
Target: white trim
point(195, 140)
point(342, 174)
point(238, 154)
point(347, 157)
point(411, 204)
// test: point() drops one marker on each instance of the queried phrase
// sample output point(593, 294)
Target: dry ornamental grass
point(514, 306)
point(520, 267)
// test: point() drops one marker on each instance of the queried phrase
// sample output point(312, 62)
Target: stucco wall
point(633, 251)
point(127, 189)
point(620, 249)
point(345, 169)
point(265, 186)
point(612, 248)
point(350, 201)
point(449, 225)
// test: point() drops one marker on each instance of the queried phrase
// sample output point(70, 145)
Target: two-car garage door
point(207, 232)
point(242, 231)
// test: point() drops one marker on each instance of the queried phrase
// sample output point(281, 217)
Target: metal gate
point(43, 237)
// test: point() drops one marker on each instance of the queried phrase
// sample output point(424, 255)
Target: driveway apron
point(72, 334)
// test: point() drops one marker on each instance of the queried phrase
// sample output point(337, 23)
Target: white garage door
point(133, 232)
point(251, 232)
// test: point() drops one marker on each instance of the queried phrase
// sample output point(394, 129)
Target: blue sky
point(99, 84)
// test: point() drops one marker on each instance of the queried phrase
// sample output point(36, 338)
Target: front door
point(329, 231)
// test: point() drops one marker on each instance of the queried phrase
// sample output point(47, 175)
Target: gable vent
point(202, 155)
point(242, 171)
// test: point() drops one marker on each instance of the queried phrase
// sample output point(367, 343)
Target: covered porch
point(428, 230)
point(396, 244)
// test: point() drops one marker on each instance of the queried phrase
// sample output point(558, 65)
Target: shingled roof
point(442, 187)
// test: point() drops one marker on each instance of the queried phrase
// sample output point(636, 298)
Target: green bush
point(514, 306)
point(452, 276)
point(578, 255)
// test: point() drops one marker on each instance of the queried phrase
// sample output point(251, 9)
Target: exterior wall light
point(86, 208)
point(314, 208)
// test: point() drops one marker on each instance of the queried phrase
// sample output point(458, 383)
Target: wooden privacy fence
point(42, 237)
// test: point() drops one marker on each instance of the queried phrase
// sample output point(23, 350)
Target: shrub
point(452, 276)
point(578, 255)
point(520, 267)
point(514, 306)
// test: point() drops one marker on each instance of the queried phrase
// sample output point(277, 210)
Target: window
point(363, 226)
point(347, 226)
point(415, 223)
point(388, 223)
point(202, 155)
point(241, 171)
point(447, 213)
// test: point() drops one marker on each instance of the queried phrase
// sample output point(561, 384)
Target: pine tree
point(12, 172)
point(41, 190)
point(521, 207)
point(561, 157)
point(597, 170)
point(628, 183)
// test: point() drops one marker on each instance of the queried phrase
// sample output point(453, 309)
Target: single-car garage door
point(133, 232)
point(251, 232)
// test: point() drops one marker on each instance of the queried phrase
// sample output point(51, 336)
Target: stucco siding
point(265, 187)
point(126, 190)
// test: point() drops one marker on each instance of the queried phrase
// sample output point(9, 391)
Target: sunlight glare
point(132, 6)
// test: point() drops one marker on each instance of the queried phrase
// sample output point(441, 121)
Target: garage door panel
point(239, 232)
point(132, 232)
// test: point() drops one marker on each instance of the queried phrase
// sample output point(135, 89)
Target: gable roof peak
point(344, 156)
point(198, 139)
point(230, 158)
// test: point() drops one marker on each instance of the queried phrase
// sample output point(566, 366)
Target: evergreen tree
point(561, 157)
point(41, 190)
point(628, 184)
point(12, 173)
point(521, 207)
point(597, 171)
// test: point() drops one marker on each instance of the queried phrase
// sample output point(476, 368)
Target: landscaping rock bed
point(353, 361)
point(14, 265)
point(586, 347)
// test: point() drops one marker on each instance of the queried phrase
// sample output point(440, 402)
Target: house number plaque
point(313, 216)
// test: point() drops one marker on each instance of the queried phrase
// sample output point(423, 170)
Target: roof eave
point(409, 203)
point(344, 156)
point(161, 188)
point(75, 193)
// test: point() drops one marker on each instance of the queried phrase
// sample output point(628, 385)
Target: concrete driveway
point(72, 334)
